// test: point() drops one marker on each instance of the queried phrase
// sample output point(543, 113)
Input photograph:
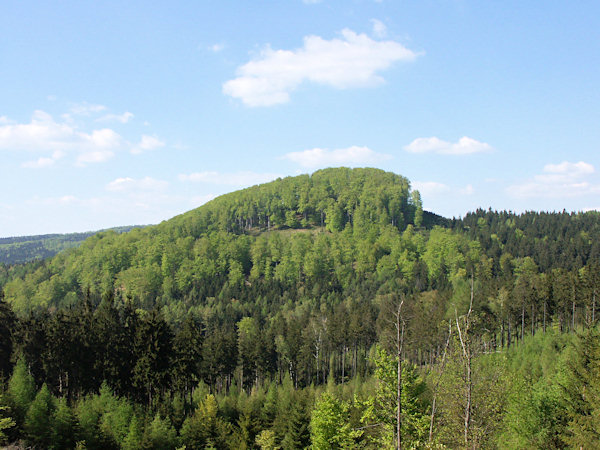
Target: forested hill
point(22, 249)
point(198, 254)
point(273, 317)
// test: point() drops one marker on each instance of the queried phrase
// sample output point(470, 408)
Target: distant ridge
point(23, 249)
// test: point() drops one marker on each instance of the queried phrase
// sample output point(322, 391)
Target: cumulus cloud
point(147, 143)
point(565, 179)
point(52, 139)
point(229, 178)
point(44, 134)
point(122, 118)
point(128, 184)
point(351, 156)
point(43, 162)
point(352, 60)
point(464, 146)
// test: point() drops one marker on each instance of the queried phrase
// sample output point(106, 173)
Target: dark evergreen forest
point(326, 310)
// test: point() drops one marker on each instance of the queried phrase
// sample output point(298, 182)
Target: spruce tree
point(64, 429)
point(21, 390)
point(39, 421)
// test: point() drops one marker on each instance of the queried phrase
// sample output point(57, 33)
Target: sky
point(120, 113)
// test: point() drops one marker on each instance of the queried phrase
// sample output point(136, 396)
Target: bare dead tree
point(400, 324)
point(465, 343)
point(437, 384)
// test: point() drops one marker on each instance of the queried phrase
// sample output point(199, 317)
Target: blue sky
point(116, 113)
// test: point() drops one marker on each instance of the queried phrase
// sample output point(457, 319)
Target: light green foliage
point(266, 440)
point(104, 419)
point(380, 410)
point(204, 428)
point(135, 434)
point(329, 424)
point(445, 250)
point(21, 390)
point(161, 434)
point(6, 422)
point(64, 429)
point(39, 420)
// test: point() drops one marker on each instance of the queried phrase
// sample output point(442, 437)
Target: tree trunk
point(522, 322)
point(399, 337)
point(544, 316)
point(435, 389)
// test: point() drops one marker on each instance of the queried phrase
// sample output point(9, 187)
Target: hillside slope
point(216, 246)
point(23, 249)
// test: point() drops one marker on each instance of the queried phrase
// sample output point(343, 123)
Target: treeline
point(558, 240)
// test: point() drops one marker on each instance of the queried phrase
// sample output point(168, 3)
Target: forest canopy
point(298, 312)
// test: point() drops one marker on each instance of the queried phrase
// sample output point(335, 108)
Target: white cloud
point(86, 109)
point(379, 28)
point(43, 134)
point(565, 172)
point(38, 163)
point(311, 2)
point(128, 184)
point(562, 180)
point(229, 179)
point(122, 118)
point(464, 146)
point(147, 143)
point(351, 156)
point(93, 157)
point(350, 61)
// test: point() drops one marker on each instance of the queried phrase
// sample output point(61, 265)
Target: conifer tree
point(39, 419)
point(64, 428)
point(135, 434)
point(21, 390)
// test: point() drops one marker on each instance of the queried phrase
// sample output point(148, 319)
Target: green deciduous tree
point(330, 426)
